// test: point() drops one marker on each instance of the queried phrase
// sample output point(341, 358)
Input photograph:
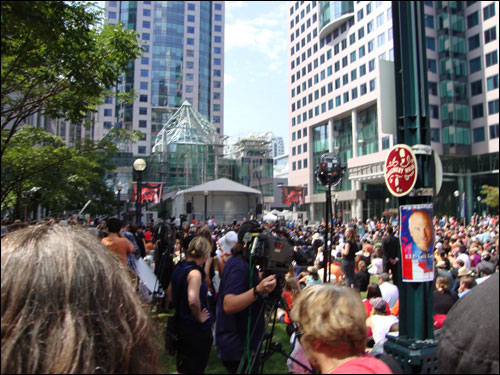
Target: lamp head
point(139, 165)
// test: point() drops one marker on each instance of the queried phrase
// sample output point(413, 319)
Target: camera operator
point(240, 292)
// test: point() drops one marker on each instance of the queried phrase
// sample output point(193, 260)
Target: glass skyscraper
point(183, 61)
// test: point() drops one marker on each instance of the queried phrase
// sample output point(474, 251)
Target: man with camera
point(240, 318)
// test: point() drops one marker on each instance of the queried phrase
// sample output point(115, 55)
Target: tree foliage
point(491, 193)
point(59, 60)
point(66, 176)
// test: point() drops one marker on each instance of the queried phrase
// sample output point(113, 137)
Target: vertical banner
point(293, 194)
point(417, 243)
point(151, 193)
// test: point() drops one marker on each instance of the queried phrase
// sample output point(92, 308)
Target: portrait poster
point(151, 193)
point(293, 194)
point(417, 243)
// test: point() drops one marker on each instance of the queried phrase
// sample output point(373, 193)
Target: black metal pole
point(138, 199)
point(118, 199)
point(206, 195)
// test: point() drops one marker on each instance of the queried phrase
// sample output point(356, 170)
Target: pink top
point(366, 364)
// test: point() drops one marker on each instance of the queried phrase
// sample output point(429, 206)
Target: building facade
point(183, 61)
point(340, 99)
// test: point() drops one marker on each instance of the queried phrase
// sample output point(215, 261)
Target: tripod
point(269, 308)
point(328, 247)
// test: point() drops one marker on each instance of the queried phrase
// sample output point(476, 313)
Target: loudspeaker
point(258, 209)
point(188, 207)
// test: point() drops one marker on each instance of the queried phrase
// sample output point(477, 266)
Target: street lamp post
point(139, 167)
point(119, 188)
point(456, 193)
point(479, 207)
point(387, 200)
point(205, 193)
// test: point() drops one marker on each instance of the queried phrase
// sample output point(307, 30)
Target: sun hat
point(441, 264)
point(227, 242)
point(464, 271)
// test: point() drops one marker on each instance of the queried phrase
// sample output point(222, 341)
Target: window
point(146, 24)
point(369, 27)
point(345, 79)
point(380, 20)
point(381, 40)
point(353, 56)
point(190, 41)
point(431, 66)
point(360, 15)
point(475, 65)
point(344, 62)
point(217, 28)
point(191, 6)
point(352, 39)
point(189, 76)
point(354, 93)
point(218, 17)
point(369, 8)
point(217, 61)
point(143, 85)
point(108, 112)
point(362, 70)
point(386, 143)
point(337, 83)
point(477, 111)
point(143, 98)
point(435, 132)
point(108, 100)
point(371, 45)
point(337, 66)
point(474, 42)
point(145, 36)
point(371, 65)
point(293, 136)
point(361, 51)
point(299, 164)
point(217, 50)
point(145, 60)
point(144, 73)
point(190, 30)
point(305, 163)
point(146, 12)
point(362, 89)
point(218, 7)
point(361, 32)
point(217, 73)
point(353, 74)
point(478, 134)
point(344, 44)
point(434, 111)
point(433, 88)
point(430, 43)
point(143, 123)
point(490, 35)
point(372, 85)
point(143, 110)
point(492, 107)
point(476, 88)
point(488, 11)
point(338, 101)
point(112, 15)
point(429, 21)
point(494, 131)
point(189, 89)
point(346, 97)
point(491, 58)
point(492, 82)
point(141, 149)
point(294, 151)
point(217, 39)
point(472, 20)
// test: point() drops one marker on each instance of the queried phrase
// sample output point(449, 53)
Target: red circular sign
point(400, 170)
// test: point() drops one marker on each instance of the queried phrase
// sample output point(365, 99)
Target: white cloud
point(265, 35)
point(227, 79)
point(233, 5)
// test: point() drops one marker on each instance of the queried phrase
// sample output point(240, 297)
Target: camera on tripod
point(329, 171)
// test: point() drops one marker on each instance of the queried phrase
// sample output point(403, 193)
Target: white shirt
point(390, 293)
point(381, 326)
point(465, 258)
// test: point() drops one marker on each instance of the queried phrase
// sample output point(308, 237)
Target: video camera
point(329, 171)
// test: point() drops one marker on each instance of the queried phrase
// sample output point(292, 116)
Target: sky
point(256, 68)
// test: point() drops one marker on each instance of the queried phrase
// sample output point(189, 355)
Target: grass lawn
point(276, 364)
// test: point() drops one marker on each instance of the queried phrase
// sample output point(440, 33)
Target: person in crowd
point(442, 271)
point(443, 299)
point(475, 258)
point(377, 261)
point(366, 252)
point(348, 256)
point(291, 291)
point(68, 306)
point(390, 250)
point(468, 343)
point(466, 284)
point(362, 276)
point(336, 343)
point(188, 292)
point(485, 264)
point(390, 292)
point(373, 291)
point(115, 243)
point(380, 323)
point(240, 293)
point(310, 277)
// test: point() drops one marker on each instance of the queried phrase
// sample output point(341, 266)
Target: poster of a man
point(417, 243)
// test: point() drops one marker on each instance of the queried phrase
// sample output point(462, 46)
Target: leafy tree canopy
point(58, 59)
point(491, 193)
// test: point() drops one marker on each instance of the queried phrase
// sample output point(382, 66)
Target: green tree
point(66, 176)
point(491, 193)
point(60, 60)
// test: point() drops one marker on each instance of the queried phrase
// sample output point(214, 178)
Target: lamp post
point(456, 193)
point(119, 188)
point(387, 200)
point(479, 208)
point(139, 167)
point(205, 193)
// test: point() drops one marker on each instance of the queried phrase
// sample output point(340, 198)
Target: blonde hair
point(333, 314)
point(349, 234)
point(199, 247)
point(68, 306)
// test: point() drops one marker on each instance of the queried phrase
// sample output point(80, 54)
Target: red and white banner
point(150, 193)
point(293, 194)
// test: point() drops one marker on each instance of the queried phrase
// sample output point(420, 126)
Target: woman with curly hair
point(68, 306)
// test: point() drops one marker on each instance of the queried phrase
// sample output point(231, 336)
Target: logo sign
point(400, 170)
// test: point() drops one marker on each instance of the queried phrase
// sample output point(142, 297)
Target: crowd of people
point(78, 287)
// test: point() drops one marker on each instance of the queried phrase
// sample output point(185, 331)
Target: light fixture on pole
point(119, 188)
point(479, 211)
point(205, 193)
point(387, 200)
point(456, 193)
point(139, 167)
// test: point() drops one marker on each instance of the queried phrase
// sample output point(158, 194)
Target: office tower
point(278, 147)
point(183, 61)
point(338, 99)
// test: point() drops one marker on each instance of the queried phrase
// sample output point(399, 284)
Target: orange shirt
point(336, 270)
point(119, 246)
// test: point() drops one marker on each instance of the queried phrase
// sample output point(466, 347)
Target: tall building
point(183, 61)
point(340, 53)
point(278, 147)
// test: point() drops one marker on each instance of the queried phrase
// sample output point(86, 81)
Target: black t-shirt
point(363, 278)
point(353, 249)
